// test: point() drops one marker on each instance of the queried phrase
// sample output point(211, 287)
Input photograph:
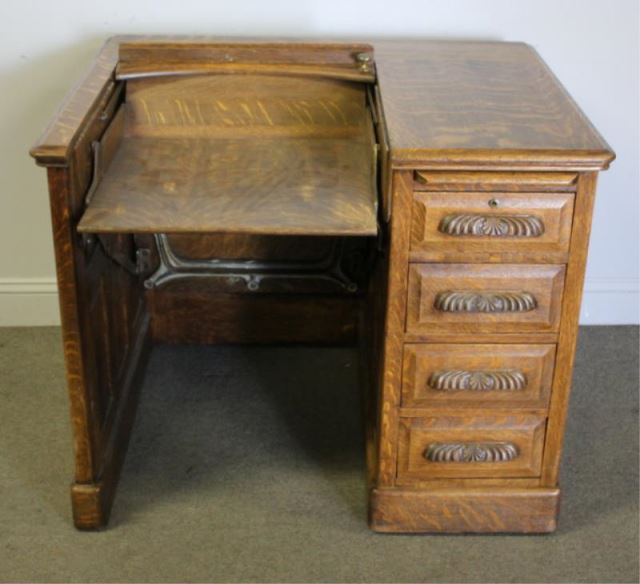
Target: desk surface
point(480, 101)
point(445, 102)
point(277, 185)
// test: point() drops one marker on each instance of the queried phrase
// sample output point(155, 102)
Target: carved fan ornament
point(461, 380)
point(464, 301)
point(471, 452)
point(492, 225)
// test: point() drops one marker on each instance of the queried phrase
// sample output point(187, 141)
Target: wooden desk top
point(477, 103)
point(446, 104)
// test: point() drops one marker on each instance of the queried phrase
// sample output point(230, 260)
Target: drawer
point(470, 447)
point(452, 226)
point(477, 376)
point(471, 299)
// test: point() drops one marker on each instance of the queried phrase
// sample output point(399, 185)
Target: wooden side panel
point(113, 311)
point(104, 325)
point(84, 419)
point(464, 510)
point(394, 322)
point(567, 338)
point(92, 501)
point(371, 341)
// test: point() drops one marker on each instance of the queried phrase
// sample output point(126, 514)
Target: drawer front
point(477, 376)
point(470, 447)
point(450, 226)
point(483, 298)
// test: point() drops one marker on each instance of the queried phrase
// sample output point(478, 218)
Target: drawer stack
point(487, 262)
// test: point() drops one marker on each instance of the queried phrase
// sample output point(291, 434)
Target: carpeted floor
point(246, 465)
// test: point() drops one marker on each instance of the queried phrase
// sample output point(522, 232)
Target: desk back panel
point(236, 106)
point(198, 317)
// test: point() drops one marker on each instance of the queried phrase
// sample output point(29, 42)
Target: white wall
point(591, 45)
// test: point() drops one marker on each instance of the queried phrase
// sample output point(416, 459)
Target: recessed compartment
point(250, 195)
point(250, 153)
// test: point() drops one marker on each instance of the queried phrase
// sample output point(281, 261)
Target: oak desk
point(429, 201)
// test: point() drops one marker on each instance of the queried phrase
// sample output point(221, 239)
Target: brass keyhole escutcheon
point(493, 203)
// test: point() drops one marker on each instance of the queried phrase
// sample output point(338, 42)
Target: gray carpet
point(246, 465)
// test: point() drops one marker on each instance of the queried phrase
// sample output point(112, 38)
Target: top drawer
point(495, 226)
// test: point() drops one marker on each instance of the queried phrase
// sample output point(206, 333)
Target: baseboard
point(34, 302)
point(29, 302)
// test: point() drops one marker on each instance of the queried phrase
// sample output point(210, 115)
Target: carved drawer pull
point(461, 301)
point(492, 225)
point(461, 380)
point(471, 452)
